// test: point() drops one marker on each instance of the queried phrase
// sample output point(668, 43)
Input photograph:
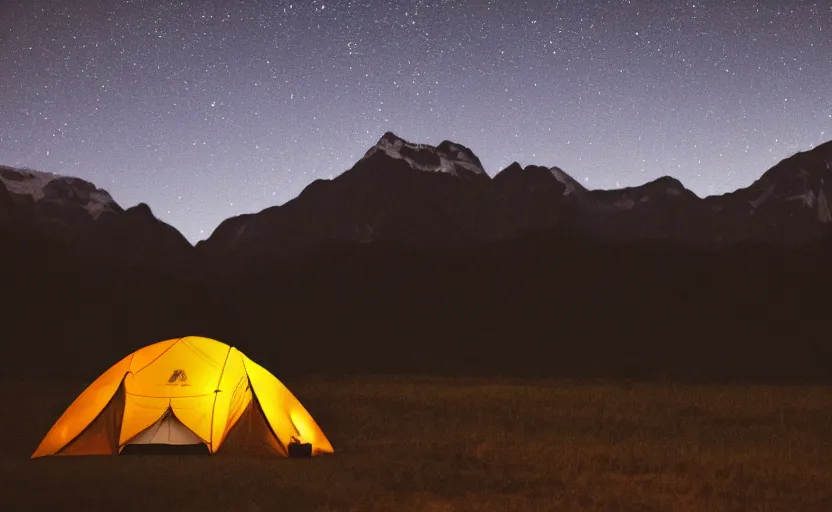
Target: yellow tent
point(186, 391)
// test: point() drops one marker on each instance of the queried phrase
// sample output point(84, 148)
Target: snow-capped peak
point(461, 154)
point(448, 157)
point(26, 181)
point(41, 186)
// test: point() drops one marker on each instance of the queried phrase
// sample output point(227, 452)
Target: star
point(164, 100)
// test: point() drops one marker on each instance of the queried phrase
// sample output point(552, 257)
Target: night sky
point(207, 109)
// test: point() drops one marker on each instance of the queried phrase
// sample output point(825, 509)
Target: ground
point(423, 444)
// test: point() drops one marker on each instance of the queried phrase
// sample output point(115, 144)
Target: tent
point(186, 391)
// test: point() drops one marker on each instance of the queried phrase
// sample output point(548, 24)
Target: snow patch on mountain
point(453, 167)
point(26, 181)
point(761, 199)
point(462, 156)
point(99, 202)
point(454, 160)
point(824, 214)
point(35, 184)
point(570, 185)
point(807, 197)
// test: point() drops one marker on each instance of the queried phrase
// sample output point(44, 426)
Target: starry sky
point(206, 109)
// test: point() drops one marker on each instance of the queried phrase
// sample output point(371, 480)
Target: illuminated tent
point(186, 391)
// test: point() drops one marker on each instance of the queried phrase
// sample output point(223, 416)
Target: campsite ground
point(411, 443)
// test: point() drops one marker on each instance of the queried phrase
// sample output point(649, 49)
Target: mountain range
point(421, 196)
point(415, 259)
point(86, 221)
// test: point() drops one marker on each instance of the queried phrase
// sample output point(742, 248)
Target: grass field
point(432, 444)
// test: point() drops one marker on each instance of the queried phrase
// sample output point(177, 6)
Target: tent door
point(168, 430)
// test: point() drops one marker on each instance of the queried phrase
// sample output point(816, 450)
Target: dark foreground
point(410, 443)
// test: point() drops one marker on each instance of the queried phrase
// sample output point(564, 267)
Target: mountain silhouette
point(422, 196)
point(88, 222)
point(416, 260)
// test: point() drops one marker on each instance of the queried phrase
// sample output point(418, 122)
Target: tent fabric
point(251, 434)
point(199, 387)
point(101, 436)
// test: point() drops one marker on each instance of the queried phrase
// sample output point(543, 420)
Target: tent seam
point(216, 391)
point(155, 358)
point(170, 398)
point(257, 401)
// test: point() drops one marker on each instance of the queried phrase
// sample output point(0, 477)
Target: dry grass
point(432, 444)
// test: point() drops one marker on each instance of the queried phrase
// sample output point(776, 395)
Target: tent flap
point(230, 398)
point(288, 418)
point(250, 434)
point(101, 436)
point(168, 430)
point(84, 409)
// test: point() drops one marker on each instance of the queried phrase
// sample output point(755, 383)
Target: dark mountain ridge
point(401, 264)
point(421, 196)
point(88, 222)
point(452, 201)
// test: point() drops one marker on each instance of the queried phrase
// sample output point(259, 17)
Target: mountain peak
point(55, 188)
point(810, 165)
point(571, 184)
point(460, 153)
point(802, 180)
point(512, 168)
point(671, 185)
point(448, 157)
point(390, 139)
point(26, 181)
point(141, 209)
point(541, 174)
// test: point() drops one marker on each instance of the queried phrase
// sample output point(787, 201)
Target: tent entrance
point(166, 436)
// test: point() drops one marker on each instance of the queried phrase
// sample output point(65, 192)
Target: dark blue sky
point(207, 109)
